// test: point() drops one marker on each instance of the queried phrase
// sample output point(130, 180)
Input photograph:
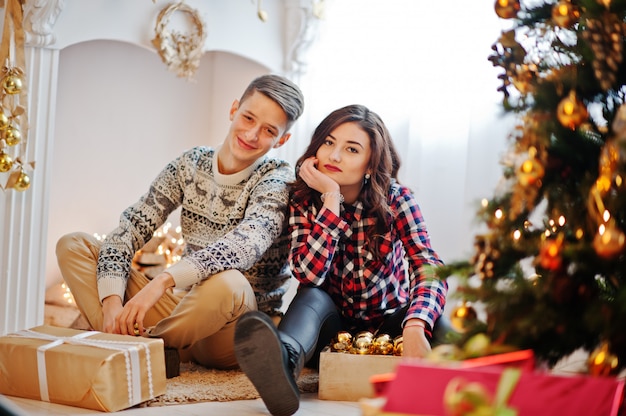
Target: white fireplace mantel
point(279, 44)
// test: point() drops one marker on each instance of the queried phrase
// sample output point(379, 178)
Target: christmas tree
point(550, 269)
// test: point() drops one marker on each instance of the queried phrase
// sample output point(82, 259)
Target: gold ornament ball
point(12, 84)
point(571, 112)
point(610, 243)
point(342, 342)
point(398, 345)
point(530, 171)
point(362, 343)
point(6, 162)
point(22, 183)
point(463, 317)
point(12, 135)
point(507, 9)
point(383, 345)
point(602, 362)
point(565, 14)
point(4, 121)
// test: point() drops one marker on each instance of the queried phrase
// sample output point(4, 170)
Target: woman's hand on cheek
point(316, 179)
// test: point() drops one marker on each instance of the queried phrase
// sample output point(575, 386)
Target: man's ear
point(233, 109)
point(282, 140)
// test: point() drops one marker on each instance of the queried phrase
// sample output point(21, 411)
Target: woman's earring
point(367, 178)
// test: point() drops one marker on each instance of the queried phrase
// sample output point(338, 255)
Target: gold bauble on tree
point(602, 362)
point(609, 242)
point(463, 317)
point(565, 14)
point(507, 9)
point(531, 170)
point(571, 112)
point(12, 84)
point(12, 135)
point(22, 183)
point(6, 162)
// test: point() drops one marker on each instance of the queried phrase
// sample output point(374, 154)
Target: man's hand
point(130, 320)
point(414, 341)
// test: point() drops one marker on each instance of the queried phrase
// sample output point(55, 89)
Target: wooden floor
point(309, 406)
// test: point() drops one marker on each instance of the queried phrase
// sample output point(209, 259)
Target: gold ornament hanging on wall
point(13, 99)
point(179, 51)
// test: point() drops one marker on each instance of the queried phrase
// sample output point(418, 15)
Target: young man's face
point(258, 124)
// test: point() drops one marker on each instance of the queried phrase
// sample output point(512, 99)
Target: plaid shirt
point(332, 253)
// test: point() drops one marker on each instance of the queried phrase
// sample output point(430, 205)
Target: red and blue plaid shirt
point(332, 253)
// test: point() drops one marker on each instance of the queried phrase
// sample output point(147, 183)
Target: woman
point(360, 250)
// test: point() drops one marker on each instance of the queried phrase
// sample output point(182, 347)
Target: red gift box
point(522, 359)
point(419, 389)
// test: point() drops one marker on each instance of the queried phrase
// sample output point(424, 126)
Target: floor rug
point(198, 384)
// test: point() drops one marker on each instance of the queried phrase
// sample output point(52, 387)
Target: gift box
point(522, 359)
point(345, 376)
point(88, 369)
point(420, 389)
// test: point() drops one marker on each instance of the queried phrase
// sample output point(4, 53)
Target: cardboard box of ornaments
point(366, 368)
point(347, 365)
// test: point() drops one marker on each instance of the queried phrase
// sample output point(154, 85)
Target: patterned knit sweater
point(228, 222)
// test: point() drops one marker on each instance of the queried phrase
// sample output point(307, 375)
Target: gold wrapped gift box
point(86, 369)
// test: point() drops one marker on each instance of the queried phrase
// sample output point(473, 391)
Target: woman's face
point(345, 155)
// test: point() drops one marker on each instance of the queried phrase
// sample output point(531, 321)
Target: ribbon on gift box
point(473, 399)
point(131, 357)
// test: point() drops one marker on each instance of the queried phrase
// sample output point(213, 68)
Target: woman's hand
point(414, 341)
point(315, 179)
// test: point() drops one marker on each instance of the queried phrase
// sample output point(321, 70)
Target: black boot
point(272, 362)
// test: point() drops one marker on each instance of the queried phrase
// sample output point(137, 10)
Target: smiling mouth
point(245, 145)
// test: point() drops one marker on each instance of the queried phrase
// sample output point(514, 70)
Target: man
point(233, 202)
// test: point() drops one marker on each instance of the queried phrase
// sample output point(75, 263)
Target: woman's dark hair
point(383, 165)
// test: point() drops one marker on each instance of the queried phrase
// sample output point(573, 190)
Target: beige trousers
point(201, 324)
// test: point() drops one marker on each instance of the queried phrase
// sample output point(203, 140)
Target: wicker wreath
point(179, 51)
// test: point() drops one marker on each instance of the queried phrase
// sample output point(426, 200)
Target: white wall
point(121, 117)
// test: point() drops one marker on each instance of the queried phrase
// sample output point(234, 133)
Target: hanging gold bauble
point(12, 135)
point(507, 9)
point(550, 254)
point(530, 171)
point(6, 162)
point(4, 121)
point(565, 14)
point(12, 84)
point(602, 362)
point(571, 112)
point(609, 243)
point(22, 183)
point(463, 317)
